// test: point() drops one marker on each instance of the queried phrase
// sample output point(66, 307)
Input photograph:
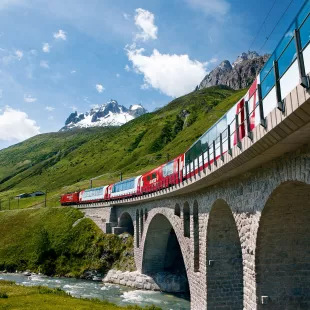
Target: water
point(117, 294)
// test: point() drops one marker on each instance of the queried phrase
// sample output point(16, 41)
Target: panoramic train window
point(206, 139)
point(123, 186)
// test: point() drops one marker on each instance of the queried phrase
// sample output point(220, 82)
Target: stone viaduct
point(239, 232)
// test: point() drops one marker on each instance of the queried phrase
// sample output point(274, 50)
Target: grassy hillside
point(46, 241)
point(18, 297)
point(66, 161)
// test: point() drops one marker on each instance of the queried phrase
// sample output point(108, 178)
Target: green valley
point(66, 161)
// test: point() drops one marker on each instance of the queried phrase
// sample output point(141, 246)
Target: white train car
point(126, 188)
point(93, 194)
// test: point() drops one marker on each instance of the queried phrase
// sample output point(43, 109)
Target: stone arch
point(141, 222)
point(162, 256)
point(177, 210)
point(196, 235)
point(186, 220)
point(145, 214)
point(224, 259)
point(126, 223)
point(283, 249)
point(137, 229)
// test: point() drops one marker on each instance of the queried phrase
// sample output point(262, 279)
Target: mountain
point(238, 75)
point(65, 161)
point(109, 114)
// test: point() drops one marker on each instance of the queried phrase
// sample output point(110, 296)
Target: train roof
point(95, 188)
point(124, 181)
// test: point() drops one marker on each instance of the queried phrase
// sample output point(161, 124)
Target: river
point(117, 294)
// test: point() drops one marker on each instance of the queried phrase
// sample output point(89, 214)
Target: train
point(215, 142)
point(280, 74)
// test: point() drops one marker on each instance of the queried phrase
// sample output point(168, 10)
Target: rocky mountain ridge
point(238, 75)
point(108, 114)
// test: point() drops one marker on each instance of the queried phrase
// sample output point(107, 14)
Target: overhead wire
point(262, 25)
point(276, 25)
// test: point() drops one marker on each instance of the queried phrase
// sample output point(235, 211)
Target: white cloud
point(73, 71)
point(74, 108)
point(46, 47)
point(86, 100)
point(127, 68)
point(118, 75)
point(60, 35)
point(19, 54)
point(33, 52)
point(213, 8)
point(99, 88)
point(145, 86)
point(51, 118)
point(29, 99)
point(144, 20)
point(44, 64)
point(15, 125)
point(174, 75)
point(50, 109)
point(10, 56)
point(213, 60)
point(126, 16)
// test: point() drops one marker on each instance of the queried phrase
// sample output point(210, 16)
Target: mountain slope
point(54, 161)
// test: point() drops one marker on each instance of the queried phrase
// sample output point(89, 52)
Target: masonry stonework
point(265, 210)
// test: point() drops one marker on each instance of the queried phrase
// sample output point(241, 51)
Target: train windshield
point(124, 185)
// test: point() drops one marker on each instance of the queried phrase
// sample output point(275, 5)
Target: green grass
point(65, 161)
point(44, 240)
point(43, 298)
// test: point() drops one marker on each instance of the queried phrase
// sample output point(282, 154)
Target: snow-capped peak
point(135, 107)
point(108, 114)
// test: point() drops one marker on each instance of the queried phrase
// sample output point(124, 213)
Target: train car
point(163, 176)
point(69, 199)
point(93, 194)
point(216, 140)
point(124, 189)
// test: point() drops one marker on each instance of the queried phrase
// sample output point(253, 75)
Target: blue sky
point(60, 56)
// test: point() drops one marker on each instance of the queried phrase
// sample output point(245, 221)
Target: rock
point(168, 282)
point(239, 75)
point(131, 279)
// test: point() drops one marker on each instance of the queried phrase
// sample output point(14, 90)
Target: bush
point(3, 294)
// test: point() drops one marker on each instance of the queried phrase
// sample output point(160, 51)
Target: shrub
point(3, 294)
